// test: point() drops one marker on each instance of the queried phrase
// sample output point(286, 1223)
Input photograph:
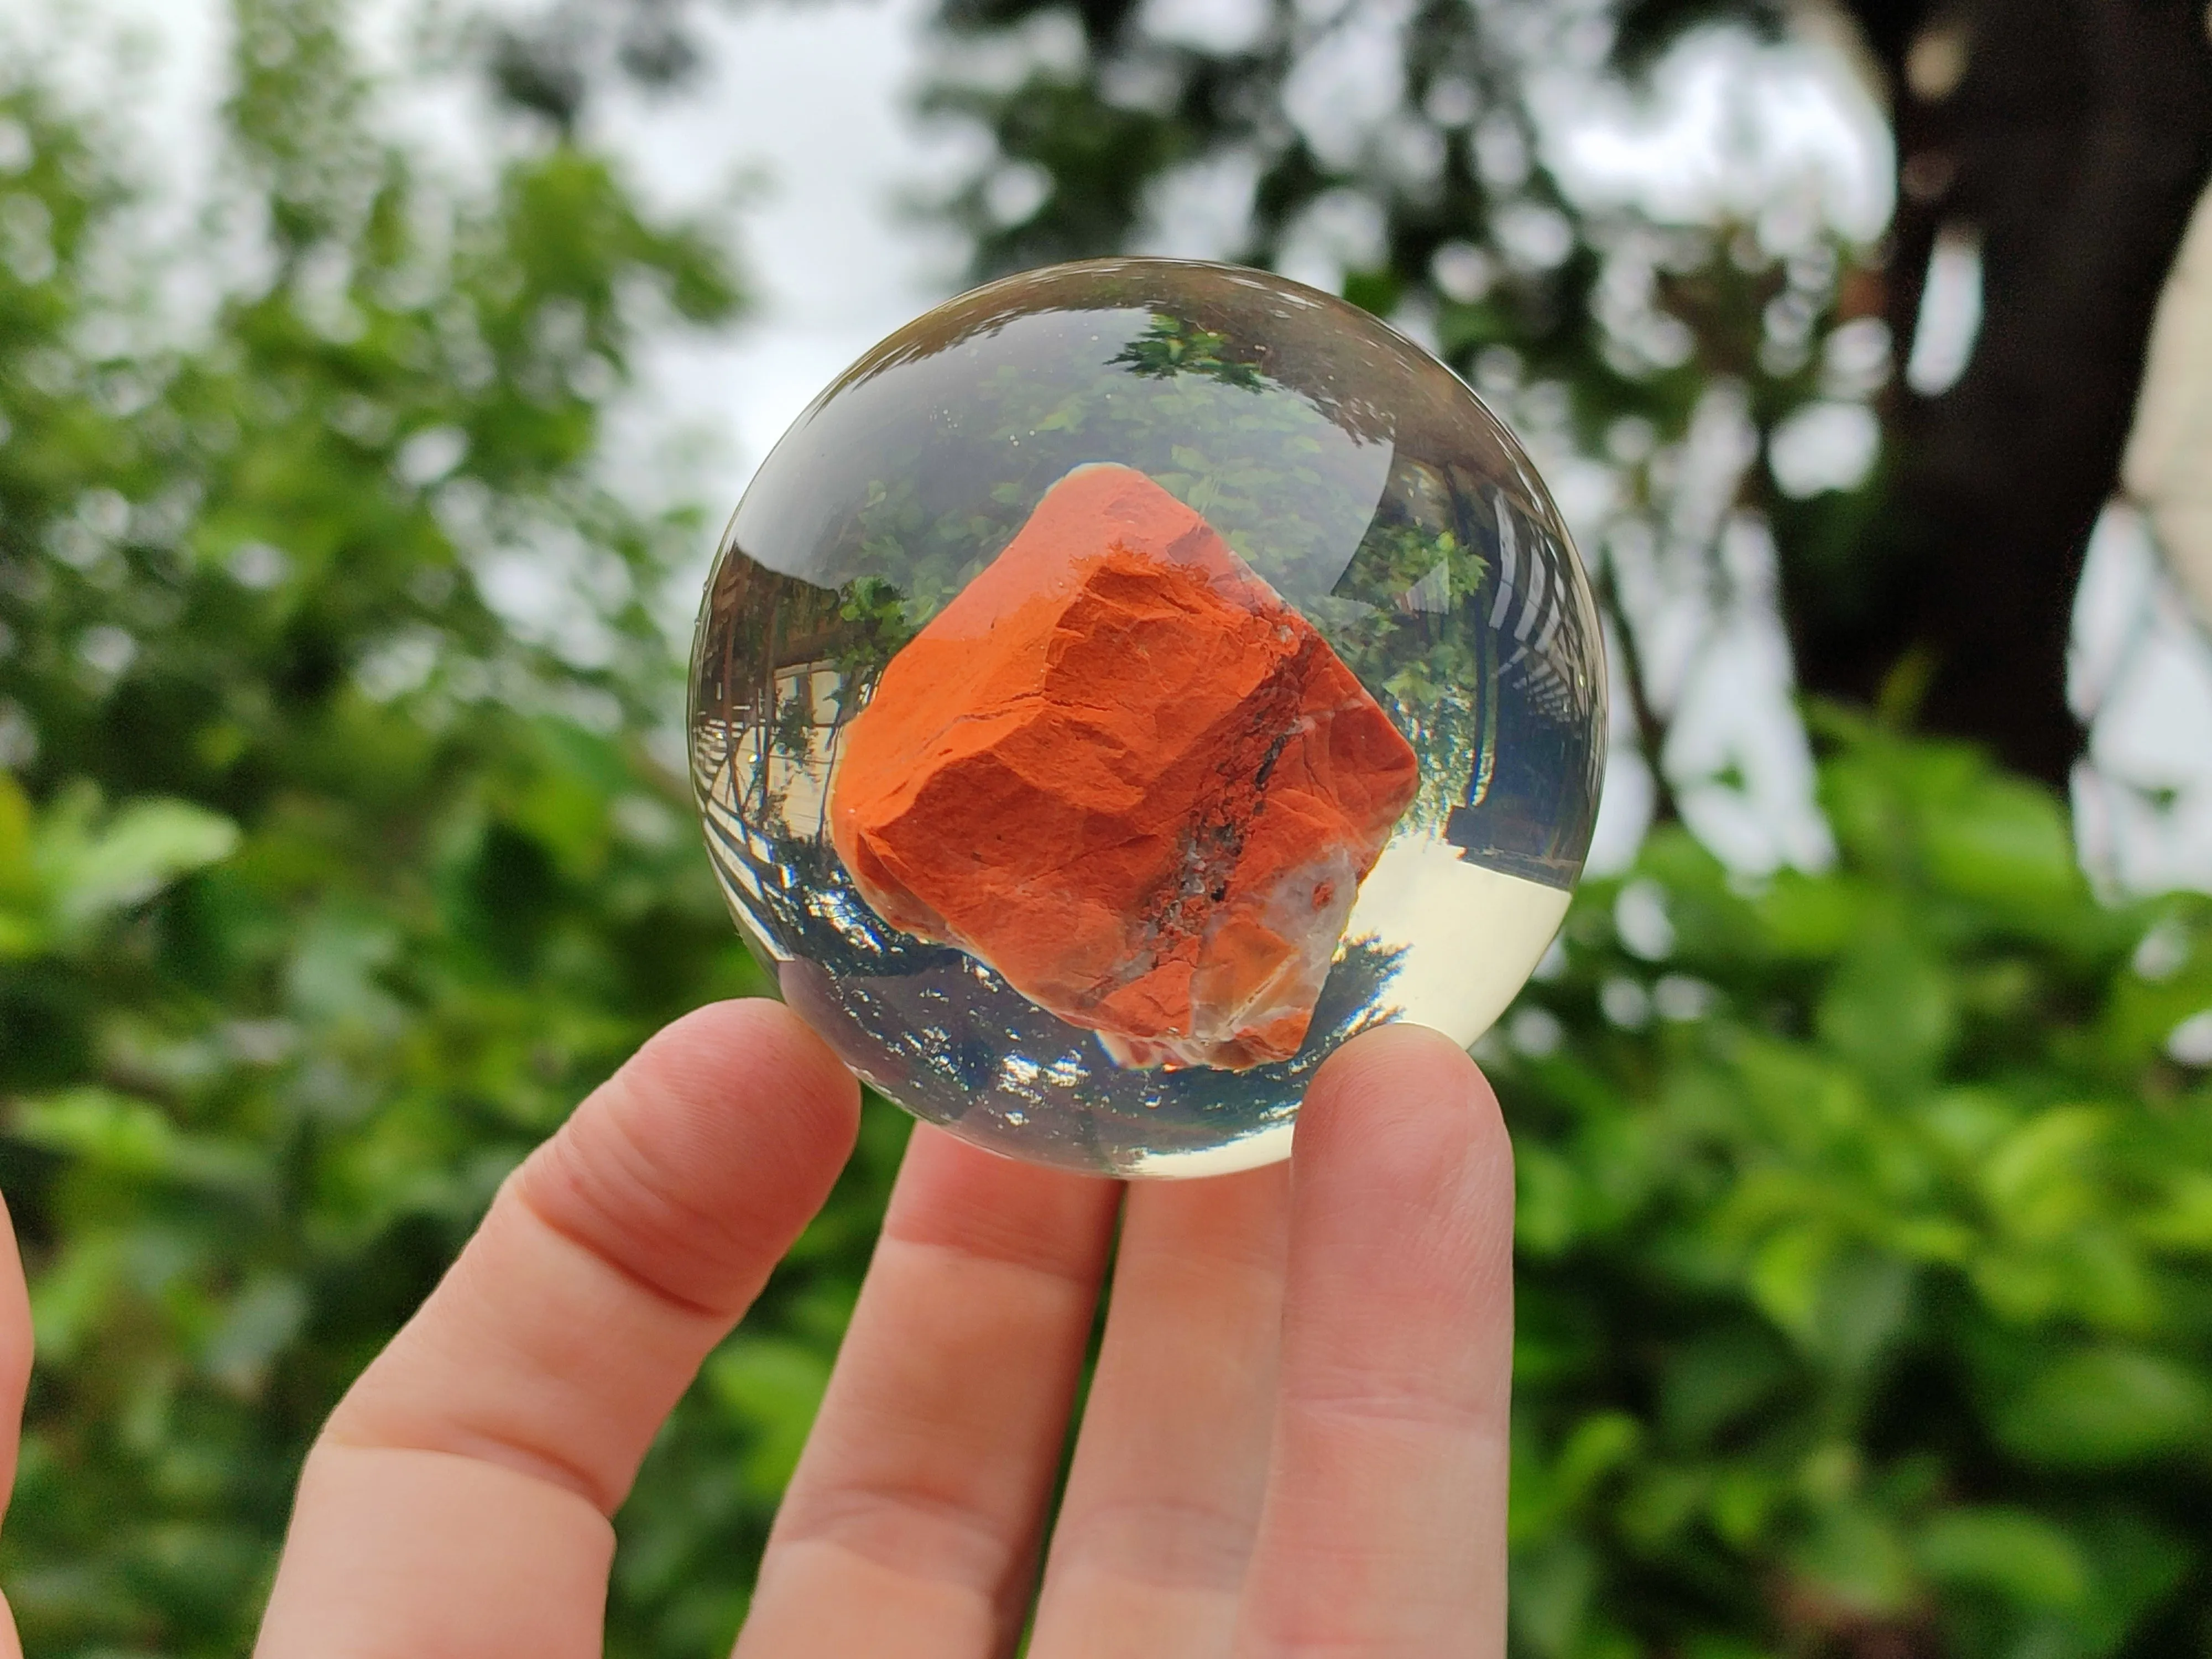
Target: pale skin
point(1295, 1442)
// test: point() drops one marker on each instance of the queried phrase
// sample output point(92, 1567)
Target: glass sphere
point(1125, 683)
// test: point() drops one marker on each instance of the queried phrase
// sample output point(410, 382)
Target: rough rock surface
point(1121, 771)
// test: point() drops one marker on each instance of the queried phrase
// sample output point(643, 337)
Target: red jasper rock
point(1121, 771)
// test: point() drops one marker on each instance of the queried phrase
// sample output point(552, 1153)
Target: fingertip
point(1402, 1171)
point(984, 1206)
point(1401, 1081)
point(1405, 1043)
point(700, 1057)
point(743, 1086)
point(697, 1163)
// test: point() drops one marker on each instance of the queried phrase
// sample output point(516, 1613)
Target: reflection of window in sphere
point(1125, 683)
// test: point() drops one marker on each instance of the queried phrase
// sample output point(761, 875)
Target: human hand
point(1295, 1440)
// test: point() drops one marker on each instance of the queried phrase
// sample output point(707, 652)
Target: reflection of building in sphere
point(1531, 791)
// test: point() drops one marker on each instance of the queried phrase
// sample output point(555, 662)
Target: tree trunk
point(2073, 138)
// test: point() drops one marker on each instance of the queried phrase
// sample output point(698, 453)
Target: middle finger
point(910, 1528)
point(1149, 1554)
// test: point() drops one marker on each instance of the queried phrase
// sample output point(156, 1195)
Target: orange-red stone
point(1121, 771)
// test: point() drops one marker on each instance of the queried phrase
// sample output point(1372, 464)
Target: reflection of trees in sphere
point(1362, 508)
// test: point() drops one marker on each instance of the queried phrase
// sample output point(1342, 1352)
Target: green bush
point(1866, 1245)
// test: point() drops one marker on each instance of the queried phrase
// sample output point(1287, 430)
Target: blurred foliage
point(1865, 1300)
point(1866, 1245)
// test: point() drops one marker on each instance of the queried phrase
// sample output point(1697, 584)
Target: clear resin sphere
point(1127, 683)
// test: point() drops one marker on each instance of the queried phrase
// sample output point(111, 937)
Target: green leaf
point(2108, 1406)
point(1853, 1559)
point(2004, 840)
point(2040, 1179)
point(125, 1138)
point(2012, 1552)
point(772, 1388)
point(14, 837)
point(1890, 1008)
point(93, 868)
point(1552, 1587)
point(23, 922)
point(261, 1321)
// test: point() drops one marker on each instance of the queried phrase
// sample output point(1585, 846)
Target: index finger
point(457, 1503)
